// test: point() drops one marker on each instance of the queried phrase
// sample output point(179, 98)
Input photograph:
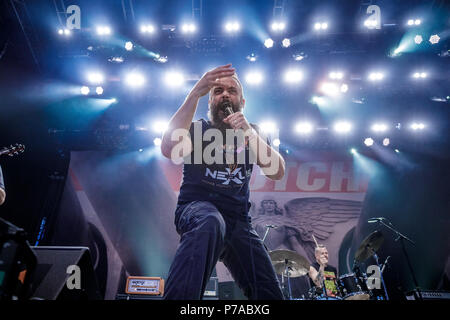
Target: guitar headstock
point(13, 150)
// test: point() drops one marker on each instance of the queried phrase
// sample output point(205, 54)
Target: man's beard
point(216, 116)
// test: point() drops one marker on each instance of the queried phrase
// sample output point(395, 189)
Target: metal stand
point(286, 271)
point(381, 273)
point(402, 237)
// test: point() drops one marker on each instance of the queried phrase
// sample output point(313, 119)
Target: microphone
point(271, 226)
point(373, 220)
point(228, 109)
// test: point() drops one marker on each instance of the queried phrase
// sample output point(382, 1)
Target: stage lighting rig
point(268, 43)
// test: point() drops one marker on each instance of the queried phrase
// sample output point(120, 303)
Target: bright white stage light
point(99, 90)
point(95, 77)
point(188, 28)
point(329, 88)
point(370, 23)
point(174, 79)
point(417, 22)
point(344, 88)
point(434, 39)
point(103, 30)
point(160, 126)
point(276, 142)
point(147, 28)
point(418, 39)
point(293, 76)
point(376, 76)
point(157, 142)
point(342, 127)
point(386, 142)
point(419, 75)
point(135, 79)
point(379, 127)
point(320, 26)
point(336, 75)
point(286, 43)
point(353, 151)
point(129, 45)
point(254, 78)
point(410, 22)
point(84, 90)
point(278, 26)
point(232, 26)
point(61, 31)
point(252, 57)
point(304, 127)
point(368, 142)
point(268, 43)
point(417, 126)
point(268, 127)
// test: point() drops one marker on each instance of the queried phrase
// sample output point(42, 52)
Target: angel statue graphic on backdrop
point(301, 219)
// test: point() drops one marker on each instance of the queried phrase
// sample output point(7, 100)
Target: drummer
point(321, 272)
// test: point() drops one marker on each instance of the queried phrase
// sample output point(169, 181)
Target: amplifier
point(212, 289)
point(428, 295)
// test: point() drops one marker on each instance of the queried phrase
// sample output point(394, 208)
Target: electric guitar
point(13, 150)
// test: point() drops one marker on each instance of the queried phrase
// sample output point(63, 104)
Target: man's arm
point(2, 196)
point(182, 119)
point(316, 276)
point(270, 161)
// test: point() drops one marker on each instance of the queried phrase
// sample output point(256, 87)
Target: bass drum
point(352, 288)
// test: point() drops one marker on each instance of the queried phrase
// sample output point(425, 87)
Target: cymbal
point(297, 265)
point(369, 245)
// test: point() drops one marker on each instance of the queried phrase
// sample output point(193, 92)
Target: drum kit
point(352, 286)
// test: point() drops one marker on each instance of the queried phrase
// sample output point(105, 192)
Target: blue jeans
point(208, 235)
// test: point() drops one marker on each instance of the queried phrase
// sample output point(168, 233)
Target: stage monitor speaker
point(229, 290)
point(64, 273)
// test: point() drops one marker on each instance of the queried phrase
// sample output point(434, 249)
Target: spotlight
point(160, 126)
point(419, 75)
point(95, 77)
point(135, 80)
point(329, 88)
point(376, 76)
point(336, 75)
point(99, 90)
point(353, 151)
point(268, 43)
point(233, 26)
point(386, 142)
point(344, 88)
point(103, 30)
point(252, 57)
point(254, 78)
point(84, 90)
point(320, 26)
point(157, 142)
point(417, 126)
point(148, 28)
point(418, 39)
point(397, 151)
point(299, 56)
point(368, 142)
point(342, 127)
point(410, 22)
point(304, 127)
point(434, 39)
point(293, 76)
point(174, 79)
point(128, 45)
point(278, 26)
point(417, 22)
point(379, 127)
point(268, 127)
point(286, 43)
point(276, 142)
point(370, 23)
point(188, 28)
point(65, 32)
